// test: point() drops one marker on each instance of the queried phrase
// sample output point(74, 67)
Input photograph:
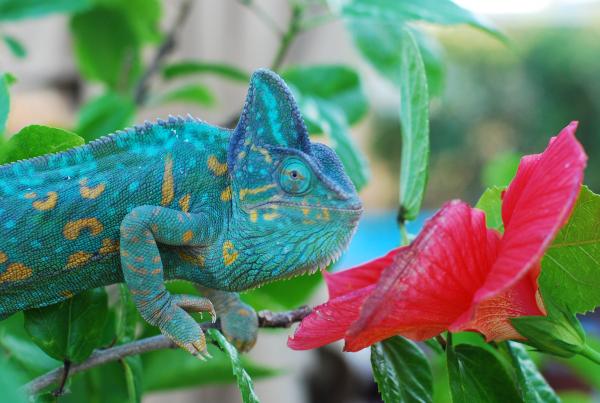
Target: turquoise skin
point(180, 199)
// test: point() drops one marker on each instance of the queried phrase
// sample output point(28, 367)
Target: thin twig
point(293, 29)
point(99, 357)
point(164, 50)
point(262, 15)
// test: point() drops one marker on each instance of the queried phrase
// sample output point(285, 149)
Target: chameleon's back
point(60, 214)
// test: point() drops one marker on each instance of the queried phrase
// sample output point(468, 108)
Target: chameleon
point(226, 209)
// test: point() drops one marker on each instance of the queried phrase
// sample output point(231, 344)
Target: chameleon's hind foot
point(197, 348)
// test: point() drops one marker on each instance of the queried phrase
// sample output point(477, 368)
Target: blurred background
point(491, 102)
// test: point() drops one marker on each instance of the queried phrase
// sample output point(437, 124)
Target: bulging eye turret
point(295, 177)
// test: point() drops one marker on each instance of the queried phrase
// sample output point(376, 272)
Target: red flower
point(457, 274)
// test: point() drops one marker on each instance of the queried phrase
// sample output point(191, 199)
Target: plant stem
point(590, 354)
point(404, 234)
point(164, 50)
point(288, 37)
point(99, 357)
point(262, 15)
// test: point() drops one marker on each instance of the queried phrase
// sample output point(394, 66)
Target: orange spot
point(78, 259)
point(243, 312)
point(271, 216)
point(187, 236)
point(48, 204)
point(184, 203)
point(218, 168)
point(168, 184)
point(92, 192)
point(264, 153)
point(253, 215)
point(230, 255)
point(156, 259)
point(15, 272)
point(3, 257)
point(226, 194)
point(73, 228)
point(109, 246)
point(197, 260)
point(30, 195)
point(67, 294)
point(253, 191)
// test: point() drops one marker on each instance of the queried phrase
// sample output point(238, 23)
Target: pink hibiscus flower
point(457, 274)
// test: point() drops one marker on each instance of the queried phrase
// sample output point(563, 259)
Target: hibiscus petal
point(366, 274)
point(329, 322)
point(432, 283)
point(536, 204)
point(491, 317)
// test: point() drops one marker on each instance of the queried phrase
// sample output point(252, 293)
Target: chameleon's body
point(226, 209)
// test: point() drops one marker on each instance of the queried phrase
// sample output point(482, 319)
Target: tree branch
point(164, 50)
point(99, 357)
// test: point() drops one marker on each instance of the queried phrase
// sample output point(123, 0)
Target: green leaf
point(401, 371)
point(558, 333)
point(339, 85)
point(531, 383)
point(176, 369)
point(127, 316)
point(570, 268)
point(491, 204)
point(243, 379)
point(16, 9)
point(433, 60)
point(281, 295)
point(190, 93)
point(105, 114)
point(132, 366)
point(443, 12)
point(15, 46)
point(476, 375)
point(191, 67)
point(500, 170)
point(414, 121)
point(143, 16)
point(25, 356)
point(4, 100)
point(35, 140)
point(333, 124)
point(69, 330)
point(107, 48)
point(10, 382)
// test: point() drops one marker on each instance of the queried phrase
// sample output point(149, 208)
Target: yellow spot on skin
point(73, 228)
point(271, 216)
point(218, 168)
point(90, 192)
point(78, 259)
point(3, 257)
point(197, 260)
point(309, 222)
point(241, 155)
point(264, 153)
point(326, 214)
point(30, 195)
point(229, 253)
point(184, 203)
point(48, 204)
point(139, 259)
point(226, 194)
point(156, 259)
point(109, 246)
point(253, 191)
point(305, 210)
point(253, 215)
point(15, 272)
point(187, 236)
point(243, 312)
point(168, 184)
point(67, 294)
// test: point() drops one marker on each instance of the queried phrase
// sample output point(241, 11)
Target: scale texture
point(178, 199)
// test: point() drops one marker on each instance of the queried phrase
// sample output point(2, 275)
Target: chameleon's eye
point(295, 176)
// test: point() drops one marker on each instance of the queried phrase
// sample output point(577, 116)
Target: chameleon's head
point(298, 207)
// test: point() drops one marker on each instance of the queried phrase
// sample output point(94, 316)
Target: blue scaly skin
point(179, 199)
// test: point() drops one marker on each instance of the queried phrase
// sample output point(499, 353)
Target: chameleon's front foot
point(174, 322)
point(239, 324)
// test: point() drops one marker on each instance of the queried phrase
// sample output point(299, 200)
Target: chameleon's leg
point(239, 322)
point(141, 229)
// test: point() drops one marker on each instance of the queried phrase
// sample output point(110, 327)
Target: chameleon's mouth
point(355, 209)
